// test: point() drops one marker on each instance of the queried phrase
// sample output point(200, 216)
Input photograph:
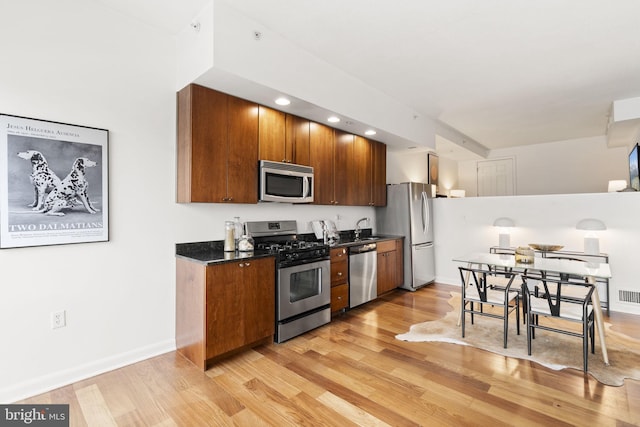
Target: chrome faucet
point(325, 233)
point(357, 230)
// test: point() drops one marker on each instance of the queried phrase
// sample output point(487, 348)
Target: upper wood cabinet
point(349, 170)
point(221, 138)
point(368, 172)
point(217, 158)
point(321, 154)
point(378, 173)
point(344, 187)
point(297, 131)
point(362, 171)
point(282, 137)
point(271, 135)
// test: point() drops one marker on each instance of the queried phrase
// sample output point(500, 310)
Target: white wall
point(583, 165)
point(412, 166)
point(245, 66)
point(465, 225)
point(407, 166)
point(447, 176)
point(78, 62)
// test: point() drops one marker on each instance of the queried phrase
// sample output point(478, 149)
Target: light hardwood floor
point(354, 372)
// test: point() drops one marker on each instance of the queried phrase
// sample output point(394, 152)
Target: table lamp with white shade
point(504, 224)
point(591, 241)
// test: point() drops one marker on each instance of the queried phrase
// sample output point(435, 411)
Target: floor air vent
point(629, 296)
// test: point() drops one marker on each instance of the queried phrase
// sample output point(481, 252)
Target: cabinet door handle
point(247, 264)
point(339, 298)
point(339, 273)
point(241, 265)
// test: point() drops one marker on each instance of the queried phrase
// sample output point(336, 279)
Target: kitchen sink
point(365, 239)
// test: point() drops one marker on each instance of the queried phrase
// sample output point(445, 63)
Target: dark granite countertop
point(212, 252)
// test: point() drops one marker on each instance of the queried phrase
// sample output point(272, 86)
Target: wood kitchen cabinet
point(344, 190)
point(331, 155)
point(221, 138)
point(282, 137)
point(378, 173)
point(390, 265)
point(217, 158)
point(297, 131)
point(271, 135)
point(339, 279)
point(370, 172)
point(224, 307)
point(359, 171)
point(321, 155)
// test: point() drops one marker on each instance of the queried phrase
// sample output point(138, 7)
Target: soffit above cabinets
point(624, 123)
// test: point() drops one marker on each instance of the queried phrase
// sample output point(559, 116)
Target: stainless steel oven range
point(303, 281)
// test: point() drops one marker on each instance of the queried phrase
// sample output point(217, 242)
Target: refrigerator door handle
point(423, 245)
point(425, 213)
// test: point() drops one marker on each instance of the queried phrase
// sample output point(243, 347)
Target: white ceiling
point(503, 72)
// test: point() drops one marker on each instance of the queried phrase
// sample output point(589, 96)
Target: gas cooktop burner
point(288, 246)
point(294, 252)
point(280, 238)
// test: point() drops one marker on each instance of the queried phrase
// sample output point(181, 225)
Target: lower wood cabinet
point(339, 297)
point(339, 279)
point(222, 308)
point(390, 265)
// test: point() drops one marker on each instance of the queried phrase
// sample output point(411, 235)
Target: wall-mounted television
point(634, 178)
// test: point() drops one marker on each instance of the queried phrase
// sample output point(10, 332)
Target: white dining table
point(590, 270)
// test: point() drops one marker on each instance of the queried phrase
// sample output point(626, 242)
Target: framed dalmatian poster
point(54, 183)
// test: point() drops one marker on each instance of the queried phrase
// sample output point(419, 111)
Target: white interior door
point(495, 178)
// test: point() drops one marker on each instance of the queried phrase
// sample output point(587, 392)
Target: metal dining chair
point(549, 301)
point(477, 292)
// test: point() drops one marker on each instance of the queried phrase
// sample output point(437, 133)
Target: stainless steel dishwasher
point(363, 274)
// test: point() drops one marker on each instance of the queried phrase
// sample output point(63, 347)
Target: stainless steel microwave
point(285, 182)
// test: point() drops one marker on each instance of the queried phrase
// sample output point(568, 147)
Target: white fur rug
point(553, 350)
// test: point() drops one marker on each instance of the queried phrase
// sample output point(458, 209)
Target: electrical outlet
point(58, 319)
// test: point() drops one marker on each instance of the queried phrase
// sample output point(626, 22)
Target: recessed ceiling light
point(333, 119)
point(283, 101)
point(370, 132)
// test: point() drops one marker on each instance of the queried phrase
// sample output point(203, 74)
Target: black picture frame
point(54, 184)
point(432, 161)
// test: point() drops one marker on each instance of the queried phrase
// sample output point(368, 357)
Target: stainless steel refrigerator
point(409, 213)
